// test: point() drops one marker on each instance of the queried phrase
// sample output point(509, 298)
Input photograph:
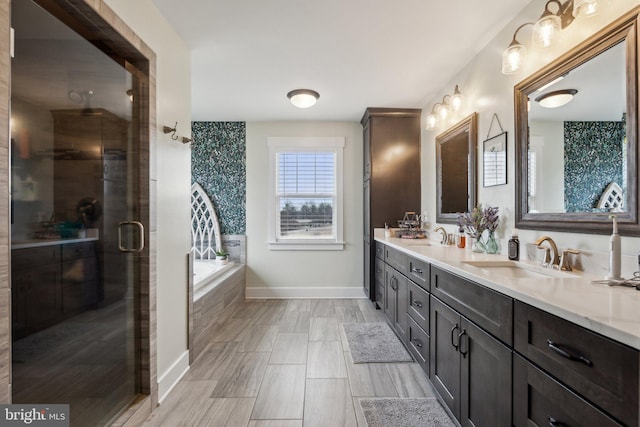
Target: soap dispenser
point(614, 252)
point(514, 246)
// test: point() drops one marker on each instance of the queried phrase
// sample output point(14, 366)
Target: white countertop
point(37, 243)
point(610, 311)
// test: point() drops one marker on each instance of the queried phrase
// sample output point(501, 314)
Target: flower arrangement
point(479, 220)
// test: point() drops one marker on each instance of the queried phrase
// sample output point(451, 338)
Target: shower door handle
point(140, 229)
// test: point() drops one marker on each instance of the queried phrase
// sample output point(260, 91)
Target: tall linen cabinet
point(391, 175)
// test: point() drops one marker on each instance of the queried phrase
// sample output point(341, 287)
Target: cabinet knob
point(416, 270)
point(417, 342)
point(417, 303)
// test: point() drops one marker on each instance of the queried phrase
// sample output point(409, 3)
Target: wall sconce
point(546, 29)
point(172, 130)
point(440, 110)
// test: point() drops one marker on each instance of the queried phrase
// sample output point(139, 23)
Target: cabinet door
point(444, 368)
point(486, 375)
point(366, 284)
point(390, 300)
point(539, 400)
point(43, 306)
point(402, 305)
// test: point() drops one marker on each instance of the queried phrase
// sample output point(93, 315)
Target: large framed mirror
point(577, 137)
point(456, 170)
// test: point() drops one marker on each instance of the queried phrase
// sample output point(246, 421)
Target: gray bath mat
point(405, 413)
point(374, 342)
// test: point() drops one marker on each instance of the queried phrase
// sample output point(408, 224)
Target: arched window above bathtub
point(205, 229)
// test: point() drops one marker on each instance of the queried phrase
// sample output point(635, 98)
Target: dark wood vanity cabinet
point(604, 373)
point(470, 352)
point(391, 174)
point(470, 369)
point(50, 284)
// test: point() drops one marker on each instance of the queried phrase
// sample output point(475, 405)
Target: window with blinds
point(305, 211)
point(306, 195)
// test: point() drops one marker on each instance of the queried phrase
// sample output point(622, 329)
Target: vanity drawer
point(28, 257)
point(603, 371)
point(539, 400)
point(396, 259)
point(419, 305)
point(73, 251)
point(490, 310)
point(418, 343)
point(418, 271)
point(379, 250)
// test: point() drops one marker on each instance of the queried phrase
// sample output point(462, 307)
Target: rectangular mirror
point(456, 170)
point(576, 137)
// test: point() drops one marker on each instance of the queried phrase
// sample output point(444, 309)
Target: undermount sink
point(519, 270)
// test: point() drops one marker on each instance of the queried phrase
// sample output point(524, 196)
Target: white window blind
point(306, 201)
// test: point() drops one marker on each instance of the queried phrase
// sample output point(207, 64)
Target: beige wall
point(303, 273)
point(173, 171)
point(487, 92)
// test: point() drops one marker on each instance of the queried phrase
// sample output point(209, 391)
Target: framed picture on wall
point(494, 155)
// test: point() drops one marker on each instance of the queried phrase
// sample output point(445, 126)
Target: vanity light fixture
point(303, 98)
point(546, 29)
point(457, 99)
point(440, 110)
point(557, 98)
point(433, 122)
point(514, 55)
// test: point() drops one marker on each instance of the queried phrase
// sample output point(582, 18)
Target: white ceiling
point(247, 54)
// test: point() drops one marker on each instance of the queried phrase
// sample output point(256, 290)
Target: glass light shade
point(585, 7)
point(443, 111)
point(303, 98)
point(457, 99)
point(512, 58)
point(432, 122)
point(557, 98)
point(546, 29)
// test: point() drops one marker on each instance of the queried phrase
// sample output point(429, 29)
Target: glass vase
point(477, 245)
point(491, 245)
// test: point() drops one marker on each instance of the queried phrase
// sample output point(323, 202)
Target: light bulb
point(456, 99)
point(443, 111)
point(432, 122)
point(545, 29)
point(512, 58)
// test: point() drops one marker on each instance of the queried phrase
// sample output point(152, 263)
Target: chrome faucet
point(554, 259)
point(445, 236)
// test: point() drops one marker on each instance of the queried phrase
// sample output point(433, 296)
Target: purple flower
point(478, 220)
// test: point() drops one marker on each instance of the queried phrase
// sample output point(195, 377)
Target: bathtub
point(206, 275)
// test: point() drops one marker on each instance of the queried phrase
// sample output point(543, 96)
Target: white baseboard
point(172, 376)
point(292, 293)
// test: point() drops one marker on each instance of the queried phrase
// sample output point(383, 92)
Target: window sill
point(306, 246)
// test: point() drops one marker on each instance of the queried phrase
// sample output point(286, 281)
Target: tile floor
point(285, 363)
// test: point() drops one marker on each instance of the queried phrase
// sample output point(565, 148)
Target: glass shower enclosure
point(72, 242)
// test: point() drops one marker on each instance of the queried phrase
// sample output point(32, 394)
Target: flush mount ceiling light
point(557, 98)
point(303, 98)
point(546, 29)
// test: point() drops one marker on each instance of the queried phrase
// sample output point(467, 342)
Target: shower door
point(73, 235)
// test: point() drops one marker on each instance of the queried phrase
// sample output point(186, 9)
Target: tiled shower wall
point(218, 164)
point(593, 158)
